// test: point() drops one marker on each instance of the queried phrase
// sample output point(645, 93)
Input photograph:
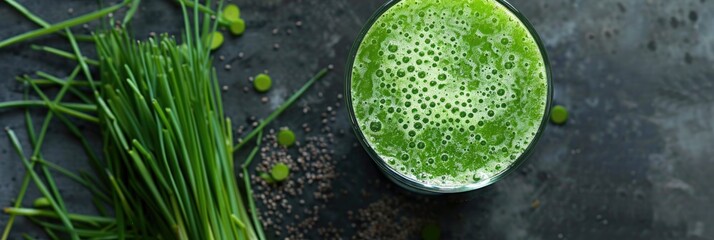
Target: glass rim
point(409, 182)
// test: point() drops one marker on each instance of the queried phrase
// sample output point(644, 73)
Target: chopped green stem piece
point(62, 25)
point(559, 115)
point(280, 172)
point(286, 137)
point(231, 12)
point(280, 109)
point(63, 54)
point(266, 177)
point(216, 40)
point(262, 83)
point(237, 27)
point(41, 202)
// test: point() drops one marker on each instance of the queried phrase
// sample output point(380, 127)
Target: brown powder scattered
point(392, 217)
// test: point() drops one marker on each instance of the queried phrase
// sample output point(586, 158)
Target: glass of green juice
point(448, 96)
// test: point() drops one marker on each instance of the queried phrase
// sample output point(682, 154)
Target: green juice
point(449, 92)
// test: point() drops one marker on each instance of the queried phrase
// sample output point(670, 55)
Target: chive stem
point(42, 23)
point(94, 220)
point(63, 54)
point(35, 103)
point(62, 25)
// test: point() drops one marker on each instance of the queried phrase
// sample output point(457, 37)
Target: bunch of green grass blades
point(168, 169)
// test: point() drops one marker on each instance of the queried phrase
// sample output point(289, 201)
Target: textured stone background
point(634, 162)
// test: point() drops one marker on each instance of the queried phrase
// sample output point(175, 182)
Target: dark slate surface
point(634, 162)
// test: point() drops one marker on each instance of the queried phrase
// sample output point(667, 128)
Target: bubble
point(379, 73)
point(375, 126)
point(417, 125)
point(421, 145)
point(410, 69)
point(504, 41)
point(412, 133)
point(422, 74)
point(406, 59)
point(501, 92)
point(401, 73)
point(392, 47)
point(412, 145)
point(508, 65)
point(430, 161)
point(491, 113)
point(444, 157)
point(442, 76)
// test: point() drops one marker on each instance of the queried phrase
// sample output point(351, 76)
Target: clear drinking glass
point(410, 183)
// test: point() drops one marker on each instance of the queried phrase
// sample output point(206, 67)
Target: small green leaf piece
point(41, 202)
point(231, 12)
point(266, 177)
point(262, 83)
point(216, 40)
point(280, 172)
point(431, 232)
point(286, 137)
point(559, 115)
point(237, 27)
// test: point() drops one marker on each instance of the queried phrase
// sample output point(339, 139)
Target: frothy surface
point(449, 92)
